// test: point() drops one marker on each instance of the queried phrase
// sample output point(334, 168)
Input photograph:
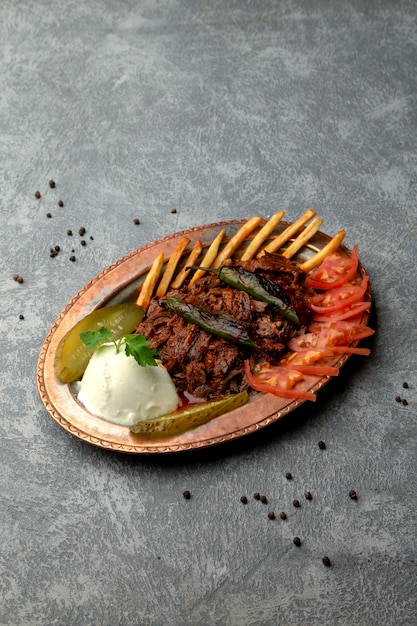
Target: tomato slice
point(335, 271)
point(317, 370)
point(279, 383)
point(338, 298)
point(344, 314)
point(349, 329)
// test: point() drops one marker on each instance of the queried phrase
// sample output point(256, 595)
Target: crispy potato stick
point(279, 241)
point(324, 252)
point(150, 282)
point(209, 257)
point(262, 236)
point(302, 238)
point(236, 240)
point(171, 267)
point(192, 258)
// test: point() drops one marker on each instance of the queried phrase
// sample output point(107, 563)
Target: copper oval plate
point(118, 283)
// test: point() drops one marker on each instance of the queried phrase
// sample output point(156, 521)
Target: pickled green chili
point(257, 286)
point(220, 324)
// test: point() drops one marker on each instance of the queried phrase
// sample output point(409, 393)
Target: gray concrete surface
point(222, 110)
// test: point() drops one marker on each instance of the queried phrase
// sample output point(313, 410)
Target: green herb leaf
point(137, 346)
point(92, 338)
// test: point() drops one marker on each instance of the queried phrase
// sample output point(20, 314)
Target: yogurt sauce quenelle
point(115, 387)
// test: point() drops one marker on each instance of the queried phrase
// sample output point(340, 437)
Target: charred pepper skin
point(259, 287)
point(219, 324)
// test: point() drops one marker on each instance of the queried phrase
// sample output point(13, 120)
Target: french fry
point(171, 267)
point(319, 257)
point(302, 238)
point(150, 282)
point(236, 240)
point(192, 258)
point(262, 236)
point(289, 232)
point(209, 257)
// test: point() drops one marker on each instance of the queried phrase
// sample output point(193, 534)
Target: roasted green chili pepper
point(219, 324)
point(257, 286)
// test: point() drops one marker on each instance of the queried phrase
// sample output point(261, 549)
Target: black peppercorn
point(271, 515)
point(52, 184)
point(296, 503)
point(21, 317)
point(83, 242)
point(322, 445)
point(69, 232)
point(136, 221)
point(297, 541)
point(308, 495)
point(244, 500)
point(57, 248)
point(49, 215)
point(405, 402)
point(257, 495)
point(326, 561)
point(173, 210)
point(288, 475)
point(60, 203)
point(353, 495)
point(283, 515)
point(82, 231)
point(37, 194)
point(397, 398)
point(72, 258)
point(186, 494)
point(405, 385)
point(263, 499)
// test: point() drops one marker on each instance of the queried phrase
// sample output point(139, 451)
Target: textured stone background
point(222, 110)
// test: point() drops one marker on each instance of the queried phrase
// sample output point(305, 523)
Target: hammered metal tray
point(119, 283)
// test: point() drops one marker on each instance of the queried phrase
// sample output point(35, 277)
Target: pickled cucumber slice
point(190, 417)
point(72, 356)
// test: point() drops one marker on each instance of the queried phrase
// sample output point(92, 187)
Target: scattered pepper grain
point(69, 232)
point(37, 194)
point(326, 561)
point(18, 278)
point(186, 494)
point(296, 503)
point(405, 385)
point(257, 495)
point(173, 210)
point(322, 445)
point(398, 399)
point(83, 242)
point(353, 495)
point(243, 499)
point(271, 515)
point(263, 499)
point(288, 476)
point(283, 515)
point(60, 203)
point(82, 231)
point(52, 184)
point(49, 215)
point(21, 317)
point(136, 220)
point(72, 258)
point(405, 402)
point(308, 495)
point(297, 541)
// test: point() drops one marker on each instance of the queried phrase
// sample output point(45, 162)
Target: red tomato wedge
point(338, 298)
point(335, 271)
point(344, 314)
point(279, 381)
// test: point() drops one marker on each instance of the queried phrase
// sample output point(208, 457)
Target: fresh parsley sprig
point(135, 345)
